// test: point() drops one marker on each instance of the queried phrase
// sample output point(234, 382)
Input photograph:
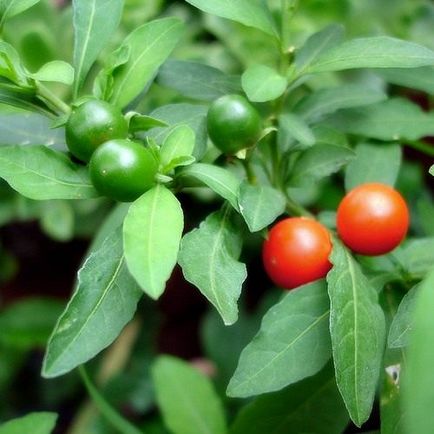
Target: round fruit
point(233, 123)
point(296, 252)
point(91, 124)
point(372, 219)
point(122, 169)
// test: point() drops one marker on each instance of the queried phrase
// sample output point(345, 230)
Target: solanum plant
point(216, 136)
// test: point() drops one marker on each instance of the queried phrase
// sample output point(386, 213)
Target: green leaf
point(209, 262)
point(374, 163)
point(329, 136)
point(17, 207)
point(152, 233)
point(383, 263)
point(395, 119)
point(29, 129)
point(182, 114)
point(373, 52)
point(418, 382)
point(28, 323)
point(290, 410)
point(417, 256)
point(11, 67)
point(318, 162)
point(139, 122)
point(103, 303)
point(57, 220)
point(262, 83)
point(402, 324)
point(10, 8)
point(17, 98)
point(252, 13)
point(431, 170)
point(40, 173)
point(32, 34)
point(220, 180)
point(318, 43)
point(179, 143)
point(59, 122)
point(178, 162)
point(11, 362)
point(260, 205)
point(35, 423)
point(104, 81)
point(293, 127)
point(425, 213)
point(150, 45)
point(57, 71)
point(236, 337)
point(197, 80)
point(326, 101)
point(378, 279)
point(293, 343)
point(112, 222)
point(357, 327)
point(415, 78)
point(186, 398)
point(95, 22)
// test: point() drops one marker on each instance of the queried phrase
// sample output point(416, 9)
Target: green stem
point(294, 208)
point(284, 36)
point(51, 98)
point(277, 180)
point(275, 163)
point(288, 8)
point(251, 177)
point(112, 416)
point(421, 146)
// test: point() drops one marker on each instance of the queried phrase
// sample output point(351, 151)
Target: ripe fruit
point(91, 124)
point(372, 219)
point(233, 123)
point(122, 169)
point(296, 252)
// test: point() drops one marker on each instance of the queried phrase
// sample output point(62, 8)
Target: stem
point(51, 98)
point(288, 8)
point(294, 208)
point(114, 361)
point(112, 416)
point(275, 163)
point(421, 146)
point(284, 35)
point(251, 177)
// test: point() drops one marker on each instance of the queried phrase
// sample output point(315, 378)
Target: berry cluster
point(372, 219)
